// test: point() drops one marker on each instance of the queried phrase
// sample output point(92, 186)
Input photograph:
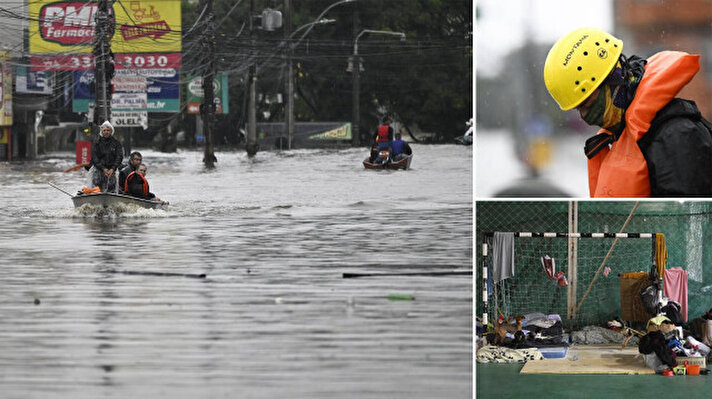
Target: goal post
point(590, 263)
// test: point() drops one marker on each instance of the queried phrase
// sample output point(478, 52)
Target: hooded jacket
point(106, 153)
point(675, 159)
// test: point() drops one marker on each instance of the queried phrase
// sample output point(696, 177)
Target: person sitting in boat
point(135, 160)
point(106, 156)
point(374, 153)
point(399, 148)
point(136, 184)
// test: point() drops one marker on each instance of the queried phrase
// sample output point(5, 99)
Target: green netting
point(533, 290)
point(686, 227)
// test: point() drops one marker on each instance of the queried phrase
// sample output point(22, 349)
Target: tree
point(424, 82)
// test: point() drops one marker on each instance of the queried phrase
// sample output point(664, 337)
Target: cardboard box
point(701, 361)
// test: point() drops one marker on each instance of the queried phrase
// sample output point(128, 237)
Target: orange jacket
point(130, 178)
point(621, 170)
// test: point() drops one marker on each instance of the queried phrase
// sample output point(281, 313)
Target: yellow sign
point(138, 26)
point(5, 89)
point(340, 133)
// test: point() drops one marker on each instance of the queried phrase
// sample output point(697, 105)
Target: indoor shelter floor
point(586, 372)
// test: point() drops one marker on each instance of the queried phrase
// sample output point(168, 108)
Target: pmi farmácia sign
point(68, 23)
point(145, 34)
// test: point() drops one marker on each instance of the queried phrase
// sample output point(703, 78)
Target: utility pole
point(356, 70)
point(207, 108)
point(289, 78)
point(103, 70)
point(251, 145)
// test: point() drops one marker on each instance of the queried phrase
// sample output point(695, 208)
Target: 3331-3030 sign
point(76, 62)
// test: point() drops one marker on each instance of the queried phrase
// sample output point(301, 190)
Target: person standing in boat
point(106, 156)
point(399, 148)
point(382, 138)
point(384, 134)
point(135, 160)
point(136, 184)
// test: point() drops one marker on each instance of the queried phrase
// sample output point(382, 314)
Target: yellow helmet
point(578, 63)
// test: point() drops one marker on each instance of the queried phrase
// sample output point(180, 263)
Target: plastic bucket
point(692, 369)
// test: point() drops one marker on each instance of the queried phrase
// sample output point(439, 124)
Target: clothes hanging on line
point(676, 288)
point(502, 256)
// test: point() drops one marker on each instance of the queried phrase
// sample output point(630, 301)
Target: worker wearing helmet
point(651, 143)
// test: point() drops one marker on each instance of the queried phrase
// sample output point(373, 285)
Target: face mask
point(594, 116)
point(603, 111)
point(608, 109)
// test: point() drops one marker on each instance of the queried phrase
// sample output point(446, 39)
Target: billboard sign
point(5, 89)
point(129, 101)
point(144, 33)
point(76, 62)
point(194, 94)
point(129, 118)
point(342, 132)
point(33, 82)
point(161, 88)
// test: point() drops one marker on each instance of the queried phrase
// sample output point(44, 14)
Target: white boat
point(108, 199)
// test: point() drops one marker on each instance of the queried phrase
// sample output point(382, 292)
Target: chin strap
point(598, 142)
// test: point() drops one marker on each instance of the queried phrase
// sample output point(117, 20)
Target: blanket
point(498, 354)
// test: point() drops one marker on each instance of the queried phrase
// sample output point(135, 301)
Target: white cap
point(107, 123)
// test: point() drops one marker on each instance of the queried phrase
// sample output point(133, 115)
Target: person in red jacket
point(650, 143)
point(384, 134)
point(382, 140)
point(136, 184)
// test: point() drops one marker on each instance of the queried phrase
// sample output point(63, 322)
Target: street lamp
point(356, 70)
point(322, 15)
point(322, 21)
point(289, 79)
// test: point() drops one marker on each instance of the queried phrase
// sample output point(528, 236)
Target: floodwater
point(111, 304)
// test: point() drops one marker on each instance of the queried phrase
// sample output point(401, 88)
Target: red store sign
point(75, 62)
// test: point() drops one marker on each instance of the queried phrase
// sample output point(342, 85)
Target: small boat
point(402, 163)
point(109, 199)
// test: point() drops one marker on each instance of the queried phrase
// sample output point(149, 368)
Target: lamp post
point(289, 79)
point(356, 70)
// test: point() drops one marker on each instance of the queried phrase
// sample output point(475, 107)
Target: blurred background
point(527, 146)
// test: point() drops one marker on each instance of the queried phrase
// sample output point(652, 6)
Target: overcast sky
point(502, 24)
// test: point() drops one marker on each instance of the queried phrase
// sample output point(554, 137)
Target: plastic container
point(692, 369)
point(557, 352)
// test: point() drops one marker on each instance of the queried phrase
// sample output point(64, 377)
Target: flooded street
point(113, 305)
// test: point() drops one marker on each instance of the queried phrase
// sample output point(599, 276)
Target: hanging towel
point(661, 253)
point(502, 256)
point(676, 288)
